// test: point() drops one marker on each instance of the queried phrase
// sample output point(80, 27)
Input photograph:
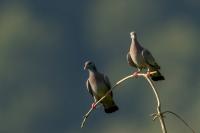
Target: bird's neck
point(92, 71)
point(135, 44)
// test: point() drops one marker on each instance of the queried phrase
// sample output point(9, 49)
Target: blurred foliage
point(43, 46)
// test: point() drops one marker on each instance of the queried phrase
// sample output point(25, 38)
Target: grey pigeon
point(98, 84)
point(141, 58)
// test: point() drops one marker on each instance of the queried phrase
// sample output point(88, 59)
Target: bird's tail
point(110, 107)
point(157, 76)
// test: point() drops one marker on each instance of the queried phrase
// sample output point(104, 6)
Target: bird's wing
point(129, 60)
point(107, 82)
point(149, 59)
point(89, 87)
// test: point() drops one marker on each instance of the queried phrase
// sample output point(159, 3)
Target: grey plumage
point(141, 58)
point(98, 84)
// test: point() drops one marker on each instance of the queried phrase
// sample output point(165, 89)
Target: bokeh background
point(43, 47)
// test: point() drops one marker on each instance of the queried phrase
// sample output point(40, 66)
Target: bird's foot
point(93, 106)
point(148, 73)
point(135, 74)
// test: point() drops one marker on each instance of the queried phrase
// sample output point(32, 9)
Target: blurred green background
point(43, 47)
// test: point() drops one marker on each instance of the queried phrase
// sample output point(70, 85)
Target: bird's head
point(89, 65)
point(133, 35)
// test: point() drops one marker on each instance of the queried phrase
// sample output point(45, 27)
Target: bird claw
point(135, 74)
point(148, 74)
point(93, 106)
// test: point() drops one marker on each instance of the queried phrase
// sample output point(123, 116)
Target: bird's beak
point(85, 67)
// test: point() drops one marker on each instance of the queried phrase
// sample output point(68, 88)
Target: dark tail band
point(157, 76)
point(111, 109)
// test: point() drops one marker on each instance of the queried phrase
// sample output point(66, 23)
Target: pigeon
point(141, 58)
point(98, 85)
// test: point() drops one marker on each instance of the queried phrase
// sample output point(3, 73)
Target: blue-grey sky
point(44, 44)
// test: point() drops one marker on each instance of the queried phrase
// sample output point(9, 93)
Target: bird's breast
point(98, 87)
point(137, 57)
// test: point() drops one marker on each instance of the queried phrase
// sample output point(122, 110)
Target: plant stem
point(158, 114)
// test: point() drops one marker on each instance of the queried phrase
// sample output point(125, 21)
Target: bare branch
point(158, 114)
point(91, 109)
point(118, 83)
point(180, 118)
point(85, 117)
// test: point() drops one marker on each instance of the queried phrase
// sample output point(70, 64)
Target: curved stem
point(85, 117)
point(180, 118)
point(118, 83)
point(158, 114)
point(91, 109)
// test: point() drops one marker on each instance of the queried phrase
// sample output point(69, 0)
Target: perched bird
point(98, 84)
point(141, 58)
